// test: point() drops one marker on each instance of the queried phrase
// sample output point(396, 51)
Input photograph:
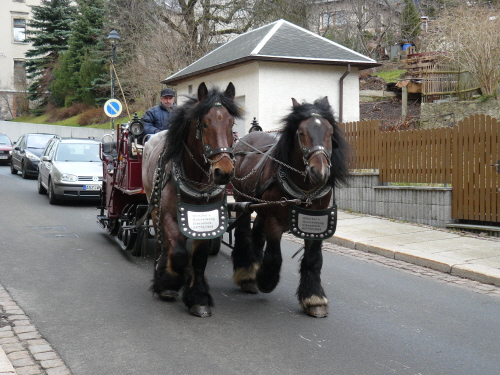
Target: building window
point(19, 29)
point(341, 18)
point(337, 19)
point(19, 1)
point(19, 72)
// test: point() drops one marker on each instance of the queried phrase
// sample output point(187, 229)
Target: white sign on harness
point(312, 224)
point(203, 221)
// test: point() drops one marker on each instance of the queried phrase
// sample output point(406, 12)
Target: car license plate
point(3, 157)
point(91, 187)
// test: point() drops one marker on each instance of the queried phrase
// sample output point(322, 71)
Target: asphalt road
point(91, 302)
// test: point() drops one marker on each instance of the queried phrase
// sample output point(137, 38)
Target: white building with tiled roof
point(274, 63)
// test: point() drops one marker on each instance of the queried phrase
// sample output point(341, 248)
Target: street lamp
point(113, 35)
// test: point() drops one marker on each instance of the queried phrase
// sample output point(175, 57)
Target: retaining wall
point(423, 205)
point(435, 115)
point(15, 129)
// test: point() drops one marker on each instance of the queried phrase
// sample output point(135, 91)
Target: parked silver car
point(70, 168)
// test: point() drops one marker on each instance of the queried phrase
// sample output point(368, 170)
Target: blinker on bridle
point(208, 151)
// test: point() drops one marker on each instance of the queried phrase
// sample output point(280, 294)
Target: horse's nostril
point(221, 177)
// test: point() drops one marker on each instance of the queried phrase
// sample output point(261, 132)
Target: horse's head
point(315, 141)
point(214, 130)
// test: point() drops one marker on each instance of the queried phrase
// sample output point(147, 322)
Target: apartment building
point(14, 16)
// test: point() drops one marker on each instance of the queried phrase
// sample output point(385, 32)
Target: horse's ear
point(324, 101)
point(230, 91)
point(295, 102)
point(202, 91)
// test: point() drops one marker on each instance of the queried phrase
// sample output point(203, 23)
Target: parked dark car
point(26, 153)
point(70, 168)
point(5, 149)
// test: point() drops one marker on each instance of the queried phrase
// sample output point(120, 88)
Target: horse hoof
point(201, 311)
point(249, 287)
point(168, 295)
point(317, 311)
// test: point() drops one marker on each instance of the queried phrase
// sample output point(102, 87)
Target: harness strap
point(183, 187)
point(158, 185)
point(289, 188)
point(259, 190)
point(257, 151)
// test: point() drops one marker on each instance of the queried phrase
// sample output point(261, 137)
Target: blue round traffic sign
point(113, 108)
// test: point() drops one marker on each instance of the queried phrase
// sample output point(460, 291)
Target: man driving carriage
point(157, 118)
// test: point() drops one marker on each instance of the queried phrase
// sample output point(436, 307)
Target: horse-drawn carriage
point(285, 179)
point(123, 200)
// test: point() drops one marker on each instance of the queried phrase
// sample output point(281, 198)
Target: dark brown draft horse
point(304, 162)
point(185, 173)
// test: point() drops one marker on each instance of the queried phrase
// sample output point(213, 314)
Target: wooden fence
point(363, 139)
point(463, 156)
point(442, 84)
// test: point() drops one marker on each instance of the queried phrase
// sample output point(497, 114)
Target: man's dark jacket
point(156, 119)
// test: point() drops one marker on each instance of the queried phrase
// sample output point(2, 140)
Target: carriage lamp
point(136, 127)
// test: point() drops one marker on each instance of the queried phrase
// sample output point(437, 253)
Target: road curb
point(483, 274)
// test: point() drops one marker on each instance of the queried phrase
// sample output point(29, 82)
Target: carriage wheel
point(144, 243)
point(113, 227)
point(215, 246)
point(127, 238)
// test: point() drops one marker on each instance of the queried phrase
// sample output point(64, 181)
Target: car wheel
point(41, 189)
point(12, 169)
point(52, 196)
point(24, 172)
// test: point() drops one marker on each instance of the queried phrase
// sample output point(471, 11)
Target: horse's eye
point(205, 125)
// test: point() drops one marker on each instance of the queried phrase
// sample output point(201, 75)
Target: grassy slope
point(390, 75)
point(72, 121)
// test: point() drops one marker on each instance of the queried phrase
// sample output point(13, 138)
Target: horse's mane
point(291, 122)
point(192, 110)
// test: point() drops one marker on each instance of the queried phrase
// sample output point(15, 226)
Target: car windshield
point(4, 140)
point(38, 140)
point(81, 152)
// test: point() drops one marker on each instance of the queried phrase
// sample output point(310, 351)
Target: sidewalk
point(23, 351)
point(457, 253)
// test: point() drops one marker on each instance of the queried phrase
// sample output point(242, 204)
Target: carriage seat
point(109, 149)
point(109, 154)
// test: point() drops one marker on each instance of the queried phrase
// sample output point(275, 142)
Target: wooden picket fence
point(464, 157)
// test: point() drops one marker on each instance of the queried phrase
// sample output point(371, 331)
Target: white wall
point(265, 89)
point(280, 82)
point(245, 81)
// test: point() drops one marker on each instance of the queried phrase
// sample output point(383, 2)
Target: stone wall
point(423, 205)
point(435, 115)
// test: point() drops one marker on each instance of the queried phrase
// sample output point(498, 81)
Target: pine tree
point(84, 61)
point(48, 31)
point(410, 28)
